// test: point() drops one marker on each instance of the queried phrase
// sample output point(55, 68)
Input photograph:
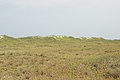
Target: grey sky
point(88, 18)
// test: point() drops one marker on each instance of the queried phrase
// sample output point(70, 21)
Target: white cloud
point(44, 3)
point(33, 2)
point(76, 15)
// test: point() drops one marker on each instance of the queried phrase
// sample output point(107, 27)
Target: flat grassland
point(59, 58)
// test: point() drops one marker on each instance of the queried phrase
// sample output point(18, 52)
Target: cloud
point(47, 3)
point(33, 2)
point(60, 15)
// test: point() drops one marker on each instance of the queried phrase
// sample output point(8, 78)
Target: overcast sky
point(78, 18)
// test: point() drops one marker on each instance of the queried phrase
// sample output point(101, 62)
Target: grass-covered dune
point(59, 58)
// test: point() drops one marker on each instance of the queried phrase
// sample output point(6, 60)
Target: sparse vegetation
point(59, 58)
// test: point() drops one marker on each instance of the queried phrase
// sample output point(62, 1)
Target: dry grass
point(45, 58)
